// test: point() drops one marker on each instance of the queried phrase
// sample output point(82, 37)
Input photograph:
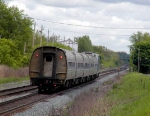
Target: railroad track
point(12, 106)
point(14, 91)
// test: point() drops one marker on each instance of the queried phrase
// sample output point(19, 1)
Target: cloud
point(64, 3)
point(141, 2)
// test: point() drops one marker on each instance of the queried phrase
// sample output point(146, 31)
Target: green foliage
point(130, 97)
point(141, 47)
point(9, 54)
point(15, 25)
point(84, 44)
point(59, 45)
point(136, 38)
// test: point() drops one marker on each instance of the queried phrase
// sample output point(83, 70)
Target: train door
point(48, 65)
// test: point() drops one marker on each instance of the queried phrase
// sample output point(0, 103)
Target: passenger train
point(52, 67)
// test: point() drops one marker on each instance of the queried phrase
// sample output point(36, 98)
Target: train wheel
point(81, 80)
point(87, 79)
point(40, 90)
point(67, 84)
point(76, 81)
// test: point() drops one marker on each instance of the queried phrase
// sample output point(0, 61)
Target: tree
point(135, 38)
point(143, 50)
point(15, 25)
point(140, 51)
point(84, 44)
point(9, 56)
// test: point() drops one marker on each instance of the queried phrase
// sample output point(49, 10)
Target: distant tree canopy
point(140, 45)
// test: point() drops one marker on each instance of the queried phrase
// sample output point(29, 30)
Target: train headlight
point(60, 57)
point(36, 55)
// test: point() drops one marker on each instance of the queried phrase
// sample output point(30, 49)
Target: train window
point(71, 64)
point(92, 65)
point(85, 65)
point(78, 64)
point(48, 58)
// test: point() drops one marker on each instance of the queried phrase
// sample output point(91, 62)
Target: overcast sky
point(108, 23)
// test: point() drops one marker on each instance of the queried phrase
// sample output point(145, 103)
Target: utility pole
point(48, 38)
point(41, 35)
point(139, 60)
point(53, 39)
point(33, 34)
point(58, 38)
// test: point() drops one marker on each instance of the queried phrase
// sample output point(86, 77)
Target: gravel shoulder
point(47, 107)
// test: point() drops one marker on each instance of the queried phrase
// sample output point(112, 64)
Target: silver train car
point(52, 67)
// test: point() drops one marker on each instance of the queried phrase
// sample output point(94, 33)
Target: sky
point(108, 23)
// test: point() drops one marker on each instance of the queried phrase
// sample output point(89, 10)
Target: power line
point(85, 25)
point(86, 33)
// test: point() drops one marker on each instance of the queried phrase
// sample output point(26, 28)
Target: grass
point(131, 97)
point(12, 79)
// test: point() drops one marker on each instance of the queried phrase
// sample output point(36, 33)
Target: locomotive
point(53, 67)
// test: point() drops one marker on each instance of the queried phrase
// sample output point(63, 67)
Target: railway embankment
point(121, 96)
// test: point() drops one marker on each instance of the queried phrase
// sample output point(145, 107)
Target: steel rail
point(17, 90)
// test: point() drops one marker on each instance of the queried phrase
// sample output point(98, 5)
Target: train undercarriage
point(52, 85)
